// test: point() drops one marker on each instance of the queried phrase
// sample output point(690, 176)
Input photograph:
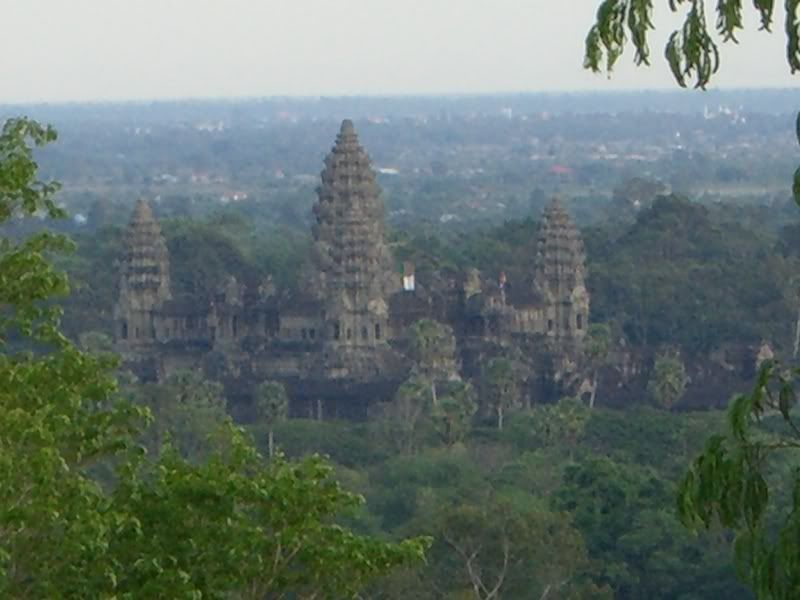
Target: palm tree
point(668, 380)
point(272, 407)
point(501, 387)
point(598, 343)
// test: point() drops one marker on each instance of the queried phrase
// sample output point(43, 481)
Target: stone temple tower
point(353, 267)
point(560, 273)
point(144, 281)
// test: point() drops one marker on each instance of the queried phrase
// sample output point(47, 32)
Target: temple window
point(377, 331)
point(304, 333)
point(364, 334)
point(349, 333)
point(550, 325)
point(124, 330)
point(312, 333)
point(579, 321)
point(235, 325)
point(337, 331)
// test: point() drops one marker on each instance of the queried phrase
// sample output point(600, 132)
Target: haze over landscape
point(150, 49)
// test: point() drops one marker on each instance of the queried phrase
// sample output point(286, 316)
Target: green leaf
point(796, 186)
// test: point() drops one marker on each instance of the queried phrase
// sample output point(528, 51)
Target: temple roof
point(142, 213)
point(146, 261)
point(560, 256)
point(350, 250)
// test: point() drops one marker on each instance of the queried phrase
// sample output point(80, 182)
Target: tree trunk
point(319, 409)
point(593, 395)
point(270, 443)
point(499, 418)
point(433, 393)
point(797, 335)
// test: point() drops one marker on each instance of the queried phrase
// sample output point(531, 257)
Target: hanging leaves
point(727, 484)
point(691, 53)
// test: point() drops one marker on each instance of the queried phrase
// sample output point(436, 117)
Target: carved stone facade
point(338, 345)
point(144, 285)
point(353, 269)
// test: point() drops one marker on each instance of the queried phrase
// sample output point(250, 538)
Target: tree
point(504, 549)
point(57, 410)
point(272, 407)
point(500, 387)
point(409, 409)
point(433, 350)
point(668, 380)
point(237, 526)
point(598, 342)
point(737, 481)
point(563, 422)
point(452, 414)
point(187, 409)
point(604, 497)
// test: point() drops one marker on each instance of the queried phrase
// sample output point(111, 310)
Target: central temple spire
point(353, 264)
point(560, 269)
point(144, 279)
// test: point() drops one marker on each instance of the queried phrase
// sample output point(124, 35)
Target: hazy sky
point(54, 50)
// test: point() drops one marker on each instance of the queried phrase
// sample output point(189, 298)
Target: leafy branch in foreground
point(729, 485)
point(691, 51)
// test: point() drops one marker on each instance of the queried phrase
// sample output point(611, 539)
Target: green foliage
point(604, 498)
point(496, 547)
point(26, 276)
point(344, 443)
point(649, 437)
point(598, 343)
point(187, 409)
point(272, 402)
point(272, 407)
point(691, 52)
point(432, 348)
point(688, 277)
point(235, 525)
point(452, 413)
point(404, 420)
point(500, 387)
point(668, 380)
point(730, 483)
point(21, 193)
point(562, 423)
point(57, 410)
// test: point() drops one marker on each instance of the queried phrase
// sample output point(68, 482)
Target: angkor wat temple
point(338, 345)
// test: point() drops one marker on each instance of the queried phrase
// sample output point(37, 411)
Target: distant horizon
point(411, 95)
